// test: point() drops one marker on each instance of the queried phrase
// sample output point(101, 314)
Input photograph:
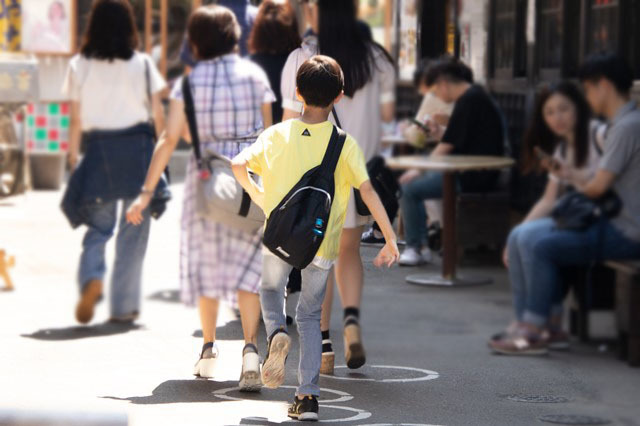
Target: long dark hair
point(111, 33)
point(343, 38)
point(275, 29)
point(538, 134)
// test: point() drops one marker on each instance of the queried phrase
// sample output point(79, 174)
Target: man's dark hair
point(214, 31)
point(448, 69)
point(609, 66)
point(320, 81)
point(111, 33)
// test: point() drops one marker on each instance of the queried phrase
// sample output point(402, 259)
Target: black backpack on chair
point(296, 227)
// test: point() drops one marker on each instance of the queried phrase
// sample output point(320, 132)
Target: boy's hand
point(387, 256)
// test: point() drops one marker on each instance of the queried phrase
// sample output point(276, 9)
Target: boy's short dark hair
point(214, 31)
point(608, 66)
point(320, 80)
point(448, 69)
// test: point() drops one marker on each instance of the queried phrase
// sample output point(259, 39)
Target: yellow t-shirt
point(285, 152)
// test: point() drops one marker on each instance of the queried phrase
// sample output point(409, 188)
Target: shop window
point(602, 31)
point(550, 34)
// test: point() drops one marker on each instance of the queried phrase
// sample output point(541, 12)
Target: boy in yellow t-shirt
point(281, 156)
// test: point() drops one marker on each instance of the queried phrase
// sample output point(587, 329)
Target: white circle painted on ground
point(342, 396)
point(428, 375)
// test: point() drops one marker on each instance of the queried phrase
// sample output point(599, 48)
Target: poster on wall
point(10, 25)
point(47, 26)
point(408, 39)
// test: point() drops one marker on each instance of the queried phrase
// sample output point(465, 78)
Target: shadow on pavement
point(176, 391)
point(82, 332)
point(168, 296)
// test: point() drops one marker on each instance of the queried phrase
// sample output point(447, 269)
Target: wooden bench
point(628, 308)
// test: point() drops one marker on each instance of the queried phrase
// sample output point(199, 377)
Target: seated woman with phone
point(563, 141)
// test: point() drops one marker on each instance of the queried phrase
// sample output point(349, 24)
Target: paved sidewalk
point(427, 357)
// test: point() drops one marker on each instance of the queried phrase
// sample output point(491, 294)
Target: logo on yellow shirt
point(306, 132)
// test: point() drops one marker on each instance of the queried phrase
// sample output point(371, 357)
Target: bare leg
point(349, 270)
point(325, 321)
point(208, 318)
point(249, 315)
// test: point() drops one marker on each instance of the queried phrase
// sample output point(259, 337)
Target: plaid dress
point(217, 261)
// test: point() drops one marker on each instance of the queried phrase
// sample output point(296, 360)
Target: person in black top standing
point(476, 127)
point(273, 37)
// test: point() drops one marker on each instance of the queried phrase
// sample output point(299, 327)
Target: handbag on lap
point(219, 196)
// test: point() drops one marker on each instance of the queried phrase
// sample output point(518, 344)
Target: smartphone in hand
point(421, 125)
point(546, 160)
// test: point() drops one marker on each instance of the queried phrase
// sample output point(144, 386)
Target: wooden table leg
point(449, 249)
point(448, 276)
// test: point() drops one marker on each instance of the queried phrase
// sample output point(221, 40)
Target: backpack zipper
point(305, 188)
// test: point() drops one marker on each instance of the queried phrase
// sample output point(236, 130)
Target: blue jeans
point(275, 273)
point(520, 245)
point(414, 214)
point(558, 248)
point(131, 246)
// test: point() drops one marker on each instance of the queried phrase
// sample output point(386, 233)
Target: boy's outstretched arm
point(240, 171)
point(389, 253)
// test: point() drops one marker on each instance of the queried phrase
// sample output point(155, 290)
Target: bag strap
point(332, 154)
point(190, 112)
point(335, 116)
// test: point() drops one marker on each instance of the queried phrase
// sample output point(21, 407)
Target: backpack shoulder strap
point(334, 149)
point(190, 112)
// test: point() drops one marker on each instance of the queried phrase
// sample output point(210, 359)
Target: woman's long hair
point(111, 33)
point(538, 134)
point(348, 41)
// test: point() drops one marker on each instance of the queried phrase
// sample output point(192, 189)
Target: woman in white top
point(114, 92)
point(560, 133)
point(369, 100)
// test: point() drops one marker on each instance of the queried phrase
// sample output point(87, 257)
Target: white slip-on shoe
point(250, 380)
point(206, 365)
point(411, 257)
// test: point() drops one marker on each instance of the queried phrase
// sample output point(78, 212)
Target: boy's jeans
point(414, 214)
point(131, 246)
point(314, 284)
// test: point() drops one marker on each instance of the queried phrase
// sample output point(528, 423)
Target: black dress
point(272, 64)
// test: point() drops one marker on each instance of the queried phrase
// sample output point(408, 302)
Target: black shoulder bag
point(297, 226)
point(383, 181)
point(574, 210)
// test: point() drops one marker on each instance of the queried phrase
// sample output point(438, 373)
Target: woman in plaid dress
point(232, 100)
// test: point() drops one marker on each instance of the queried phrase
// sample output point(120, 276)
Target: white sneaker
point(250, 377)
point(411, 257)
point(427, 255)
point(206, 365)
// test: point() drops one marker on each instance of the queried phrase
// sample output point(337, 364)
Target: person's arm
point(389, 253)
point(545, 204)
point(288, 114)
point(161, 156)
point(443, 148)
point(158, 113)
point(599, 185)
point(75, 135)
point(239, 165)
point(267, 116)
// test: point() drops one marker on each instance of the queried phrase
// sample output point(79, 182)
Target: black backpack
point(296, 227)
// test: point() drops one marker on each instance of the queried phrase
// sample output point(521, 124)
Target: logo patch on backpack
point(306, 132)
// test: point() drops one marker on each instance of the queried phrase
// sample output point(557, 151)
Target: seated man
point(475, 128)
point(607, 81)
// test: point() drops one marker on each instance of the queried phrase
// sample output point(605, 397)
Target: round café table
point(449, 165)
